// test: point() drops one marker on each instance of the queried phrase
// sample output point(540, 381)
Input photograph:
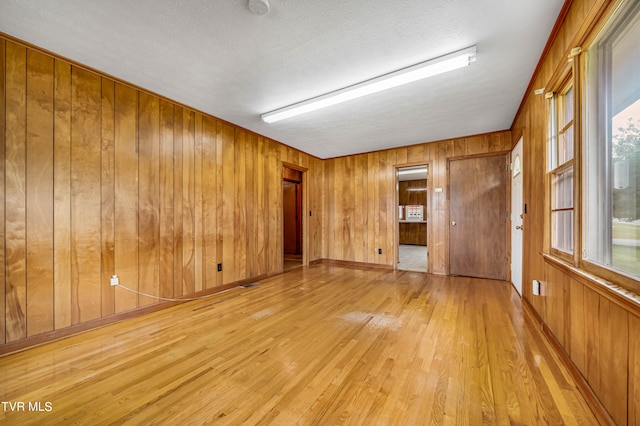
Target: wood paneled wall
point(102, 178)
point(411, 192)
point(596, 329)
point(359, 198)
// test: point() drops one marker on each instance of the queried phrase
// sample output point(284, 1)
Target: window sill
point(627, 299)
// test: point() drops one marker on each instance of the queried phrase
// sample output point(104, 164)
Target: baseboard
point(581, 383)
point(347, 263)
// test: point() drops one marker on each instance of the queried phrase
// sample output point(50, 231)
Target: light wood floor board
point(319, 345)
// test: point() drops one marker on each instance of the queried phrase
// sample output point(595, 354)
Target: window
point(560, 167)
point(611, 188)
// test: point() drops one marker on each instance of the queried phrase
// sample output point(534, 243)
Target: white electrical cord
point(172, 299)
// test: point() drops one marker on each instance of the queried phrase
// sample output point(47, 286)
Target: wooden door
point(516, 217)
point(291, 205)
point(478, 217)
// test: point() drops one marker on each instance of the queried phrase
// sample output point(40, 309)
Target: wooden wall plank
point(360, 218)
point(613, 351)
point(385, 220)
point(209, 202)
point(220, 143)
point(592, 337)
point(262, 207)
point(555, 290)
point(39, 187)
point(3, 327)
point(240, 210)
point(439, 250)
point(250, 243)
point(126, 196)
point(227, 204)
point(62, 195)
point(198, 275)
point(148, 197)
point(15, 192)
point(86, 102)
point(415, 154)
point(178, 205)
point(275, 249)
point(166, 176)
point(346, 197)
point(371, 210)
point(107, 194)
point(577, 345)
point(188, 202)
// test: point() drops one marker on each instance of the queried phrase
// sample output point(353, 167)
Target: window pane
point(565, 149)
point(562, 189)
point(626, 190)
point(562, 230)
point(568, 107)
point(612, 169)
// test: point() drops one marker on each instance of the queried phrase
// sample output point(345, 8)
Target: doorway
point(292, 218)
point(516, 217)
point(412, 199)
point(478, 215)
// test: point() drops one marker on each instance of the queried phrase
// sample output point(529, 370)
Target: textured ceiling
point(217, 57)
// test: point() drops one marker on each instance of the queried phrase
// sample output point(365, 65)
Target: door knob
point(453, 223)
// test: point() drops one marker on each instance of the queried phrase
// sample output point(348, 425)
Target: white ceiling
point(217, 57)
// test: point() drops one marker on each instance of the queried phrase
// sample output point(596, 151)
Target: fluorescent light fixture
point(450, 62)
point(412, 171)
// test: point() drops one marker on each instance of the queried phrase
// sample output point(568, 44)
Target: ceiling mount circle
point(258, 7)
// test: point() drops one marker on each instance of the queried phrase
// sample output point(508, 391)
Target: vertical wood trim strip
point(62, 195)
point(39, 184)
point(15, 199)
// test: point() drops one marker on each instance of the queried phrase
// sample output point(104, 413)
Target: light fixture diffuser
point(450, 62)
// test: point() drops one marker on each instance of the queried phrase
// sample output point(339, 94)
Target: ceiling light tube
point(412, 171)
point(410, 74)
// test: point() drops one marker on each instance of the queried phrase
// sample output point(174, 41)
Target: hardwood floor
point(317, 345)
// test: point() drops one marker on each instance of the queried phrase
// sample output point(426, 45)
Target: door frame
point(507, 156)
point(305, 223)
point(396, 198)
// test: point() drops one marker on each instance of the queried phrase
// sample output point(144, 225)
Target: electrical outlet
point(219, 267)
point(379, 251)
point(114, 280)
point(536, 287)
